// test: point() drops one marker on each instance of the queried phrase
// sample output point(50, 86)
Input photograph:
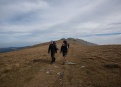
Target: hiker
point(65, 42)
point(64, 52)
point(53, 49)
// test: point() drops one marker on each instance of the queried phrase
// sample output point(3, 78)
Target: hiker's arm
point(68, 45)
point(55, 48)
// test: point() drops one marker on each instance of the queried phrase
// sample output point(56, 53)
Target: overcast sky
point(28, 22)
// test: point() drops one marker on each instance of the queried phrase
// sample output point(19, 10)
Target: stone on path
point(70, 63)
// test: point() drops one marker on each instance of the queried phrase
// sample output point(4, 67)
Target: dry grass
point(96, 66)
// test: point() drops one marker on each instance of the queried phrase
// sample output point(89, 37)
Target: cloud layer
point(28, 22)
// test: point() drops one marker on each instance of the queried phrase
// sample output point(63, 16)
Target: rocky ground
point(88, 66)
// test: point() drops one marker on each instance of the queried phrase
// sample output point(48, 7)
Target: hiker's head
point(63, 44)
point(54, 42)
point(51, 42)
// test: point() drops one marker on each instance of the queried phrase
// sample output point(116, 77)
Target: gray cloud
point(31, 22)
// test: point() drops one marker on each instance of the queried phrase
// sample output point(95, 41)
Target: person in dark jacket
point(53, 49)
point(64, 51)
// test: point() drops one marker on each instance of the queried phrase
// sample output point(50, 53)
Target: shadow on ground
point(41, 60)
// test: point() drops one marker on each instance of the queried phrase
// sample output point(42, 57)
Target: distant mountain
point(70, 40)
point(80, 42)
point(3, 50)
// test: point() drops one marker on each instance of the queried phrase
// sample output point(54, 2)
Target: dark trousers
point(64, 54)
point(53, 57)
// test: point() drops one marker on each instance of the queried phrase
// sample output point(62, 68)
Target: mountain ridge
point(70, 40)
point(93, 66)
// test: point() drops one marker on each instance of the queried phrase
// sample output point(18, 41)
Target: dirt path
point(56, 75)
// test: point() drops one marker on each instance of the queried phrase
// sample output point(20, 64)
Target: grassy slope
point(30, 67)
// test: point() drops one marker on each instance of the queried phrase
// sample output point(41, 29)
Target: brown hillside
point(96, 66)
